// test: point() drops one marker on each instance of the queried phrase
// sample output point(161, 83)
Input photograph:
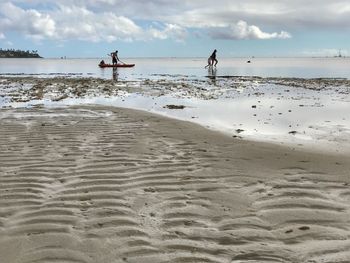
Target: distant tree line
point(16, 53)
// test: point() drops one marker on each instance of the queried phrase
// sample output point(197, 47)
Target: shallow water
point(319, 124)
point(154, 68)
point(302, 113)
point(299, 112)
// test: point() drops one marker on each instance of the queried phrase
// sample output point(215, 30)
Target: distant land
point(12, 53)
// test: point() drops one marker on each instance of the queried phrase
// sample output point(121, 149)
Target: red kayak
point(116, 65)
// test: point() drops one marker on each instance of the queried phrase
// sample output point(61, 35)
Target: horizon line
point(183, 57)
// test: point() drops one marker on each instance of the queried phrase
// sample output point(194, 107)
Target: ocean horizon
point(320, 67)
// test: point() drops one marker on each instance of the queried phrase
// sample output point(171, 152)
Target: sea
point(298, 102)
point(191, 67)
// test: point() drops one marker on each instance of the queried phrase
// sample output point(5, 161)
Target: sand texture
point(97, 184)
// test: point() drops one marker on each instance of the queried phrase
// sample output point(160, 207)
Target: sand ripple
point(102, 185)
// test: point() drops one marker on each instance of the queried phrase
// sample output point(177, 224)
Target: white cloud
point(241, 30)
point(281, 14)
point(83, 24)
point(2, 36)
point(114, 20)
point(78, 22)
point(169, 31)
point(30, 22)
point(194, 13)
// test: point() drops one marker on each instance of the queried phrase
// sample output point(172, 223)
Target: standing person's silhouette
point(214, 61)
point(115, 58)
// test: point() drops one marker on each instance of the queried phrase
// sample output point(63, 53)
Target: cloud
point(241, 30)
point(30, 22)
point(128, 20)
point(2, 36)
point(286, 14)
point(169, 31)
point(78, 22)
point(92, 26)
point(67, 23)
point(192, 13)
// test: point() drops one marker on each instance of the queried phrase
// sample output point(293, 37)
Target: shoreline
point(96, 184)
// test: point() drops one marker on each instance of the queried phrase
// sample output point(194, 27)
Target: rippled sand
point(97, 184)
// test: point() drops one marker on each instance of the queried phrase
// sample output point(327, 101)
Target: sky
point(167, 28)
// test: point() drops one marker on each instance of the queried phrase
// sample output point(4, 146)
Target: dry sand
point(98, 184)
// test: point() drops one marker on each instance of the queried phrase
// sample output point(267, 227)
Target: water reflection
point(104, 72)
point(212, 74)
point(115, 74)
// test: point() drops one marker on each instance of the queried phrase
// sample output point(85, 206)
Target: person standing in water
point(210, 62)
point(214, 61)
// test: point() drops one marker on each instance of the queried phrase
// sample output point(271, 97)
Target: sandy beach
point(174, 132)
point(103, 184)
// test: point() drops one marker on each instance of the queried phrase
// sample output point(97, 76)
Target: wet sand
point(308, 114)
point(100, 184)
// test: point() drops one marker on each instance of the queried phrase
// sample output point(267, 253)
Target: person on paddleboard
point(115, 58)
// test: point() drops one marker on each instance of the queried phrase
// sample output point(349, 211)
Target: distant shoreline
point(11, 53)
point(20, 57)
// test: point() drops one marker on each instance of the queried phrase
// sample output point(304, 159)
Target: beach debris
point(239, 130)
point(303, 228)
point(292, 132)
point(62, 97)
point(174, 107)
point(149, 190)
